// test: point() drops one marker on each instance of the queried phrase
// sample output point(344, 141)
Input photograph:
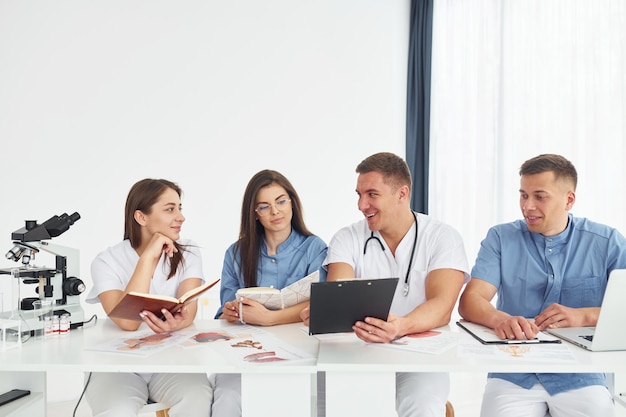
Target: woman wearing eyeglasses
point(274, 249)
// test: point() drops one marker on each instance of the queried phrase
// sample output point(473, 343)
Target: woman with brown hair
point(151, 259)
point(274, 249)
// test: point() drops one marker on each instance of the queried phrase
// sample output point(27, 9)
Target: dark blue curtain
point(418, 101)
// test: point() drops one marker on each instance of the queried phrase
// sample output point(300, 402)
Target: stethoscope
point(405, 288)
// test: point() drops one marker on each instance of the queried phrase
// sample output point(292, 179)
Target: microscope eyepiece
point(52, 227)
point(56, 225)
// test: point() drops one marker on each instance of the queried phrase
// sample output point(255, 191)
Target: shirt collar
point(291, 238)
point(561, 237)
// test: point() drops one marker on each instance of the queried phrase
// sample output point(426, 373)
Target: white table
point(360, 379)
point(269, 389)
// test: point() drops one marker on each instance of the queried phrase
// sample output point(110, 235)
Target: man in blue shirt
point(549, 270)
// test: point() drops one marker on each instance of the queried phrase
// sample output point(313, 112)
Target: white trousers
point(505, 399)
point(422, 394)
point(418, 394)
point(124, 394)
point(226, 395)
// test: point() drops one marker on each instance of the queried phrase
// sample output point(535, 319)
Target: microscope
point(58, 284)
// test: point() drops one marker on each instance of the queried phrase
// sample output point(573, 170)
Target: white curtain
point(513, 79)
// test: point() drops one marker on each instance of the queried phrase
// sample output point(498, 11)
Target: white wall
point(97, 95)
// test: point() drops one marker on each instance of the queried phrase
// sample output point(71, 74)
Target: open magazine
point(275, 299)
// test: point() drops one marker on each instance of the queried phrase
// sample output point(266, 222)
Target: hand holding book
point(275, 299)
point(133, 303)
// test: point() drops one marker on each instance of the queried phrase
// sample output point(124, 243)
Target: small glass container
point(56, 323)
point(10, 334)
point(64, 324)
point(48, 326)
point(20, 333)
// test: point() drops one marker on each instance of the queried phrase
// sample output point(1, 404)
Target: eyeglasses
point(265, 209)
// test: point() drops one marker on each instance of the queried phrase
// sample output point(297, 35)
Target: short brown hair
point(562, 168)
point(395, 170)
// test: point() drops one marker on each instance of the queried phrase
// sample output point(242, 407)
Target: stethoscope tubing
point(405, 289)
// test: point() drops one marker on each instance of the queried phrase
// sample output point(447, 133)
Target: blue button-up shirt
point(295, 258)
point(532, 271)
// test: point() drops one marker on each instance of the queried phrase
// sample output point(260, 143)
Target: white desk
point(360, 379)
point(268, 389)
point(349, 365)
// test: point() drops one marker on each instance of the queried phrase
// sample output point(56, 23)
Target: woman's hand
point(253, 312)
point(159, 244)
point(246, 311)
point(230, 312)
point(171, 322)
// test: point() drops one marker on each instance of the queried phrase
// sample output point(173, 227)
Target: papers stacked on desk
point(240, 344)
point(140, 342)
point(544, 349)
point(433, 342)
point(247, 345)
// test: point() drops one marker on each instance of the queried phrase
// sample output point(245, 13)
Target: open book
point(134, 303)
point(275, 299)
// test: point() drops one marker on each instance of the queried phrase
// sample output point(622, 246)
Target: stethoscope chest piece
point(405, 289)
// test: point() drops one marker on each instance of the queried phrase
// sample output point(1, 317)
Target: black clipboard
point(337, 305)
point(487, 336)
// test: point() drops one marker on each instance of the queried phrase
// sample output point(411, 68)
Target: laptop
point(337, 305)
point(608, 334)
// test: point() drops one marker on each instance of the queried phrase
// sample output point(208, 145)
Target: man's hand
point(557, 315)
point(516, 328)
point(378, 331)
point(305, 314)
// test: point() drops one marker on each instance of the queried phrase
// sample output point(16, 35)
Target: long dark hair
point(142, 196)
point(251, 232)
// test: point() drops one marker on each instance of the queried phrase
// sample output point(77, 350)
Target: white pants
point(418, 394)
point(505, 399)
point(226, 395)
point(422, 394)
point(124, 394)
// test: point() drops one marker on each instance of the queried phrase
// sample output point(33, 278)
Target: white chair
point(160, 409)
point(449, 409)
